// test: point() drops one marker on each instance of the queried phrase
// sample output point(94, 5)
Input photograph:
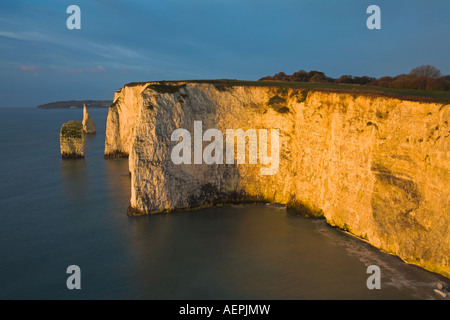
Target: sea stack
point(88, 122)
point(72, 140)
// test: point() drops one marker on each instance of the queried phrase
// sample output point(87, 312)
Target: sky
point(42, 61)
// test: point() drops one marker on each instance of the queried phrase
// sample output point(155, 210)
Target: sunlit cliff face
point(377, 167)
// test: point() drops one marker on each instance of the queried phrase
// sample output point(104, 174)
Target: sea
point(58, 213)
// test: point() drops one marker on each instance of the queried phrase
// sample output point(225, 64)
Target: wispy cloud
point(25, 36)
point(96, 50)
point(36, 69)
point(29, 68)
point(98, 69)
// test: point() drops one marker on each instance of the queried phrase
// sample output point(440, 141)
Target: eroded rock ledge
point(377, 167)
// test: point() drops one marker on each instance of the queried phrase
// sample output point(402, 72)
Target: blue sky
point(140, 40)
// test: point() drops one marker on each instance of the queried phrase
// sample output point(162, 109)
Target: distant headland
point(74, 104)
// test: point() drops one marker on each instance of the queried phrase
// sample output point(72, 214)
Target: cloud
point(33, 69)
point(109, 51)
point(98, 69)
point(25, 36)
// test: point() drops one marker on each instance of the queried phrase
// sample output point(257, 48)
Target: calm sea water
point(56, 213)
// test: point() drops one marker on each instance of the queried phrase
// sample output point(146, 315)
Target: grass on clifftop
point(406, 94)
point(72, 129)
point(223, 84)
point(162, 88)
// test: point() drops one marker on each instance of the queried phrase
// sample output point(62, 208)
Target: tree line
point(424, 77)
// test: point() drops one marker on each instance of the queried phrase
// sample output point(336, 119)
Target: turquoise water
point(56, 213)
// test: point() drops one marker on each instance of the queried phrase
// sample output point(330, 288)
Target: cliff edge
point(377, 167)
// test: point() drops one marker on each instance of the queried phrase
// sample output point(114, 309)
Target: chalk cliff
point(88, 122)
point(121, 121)
point(377, 167)
point(72, 140)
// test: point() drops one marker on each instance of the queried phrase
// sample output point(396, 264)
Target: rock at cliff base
point(72, 140)
point(442, 294)
point(88, 122)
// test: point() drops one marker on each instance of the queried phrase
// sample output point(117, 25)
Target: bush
point(421, 78)
point(425, 71)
